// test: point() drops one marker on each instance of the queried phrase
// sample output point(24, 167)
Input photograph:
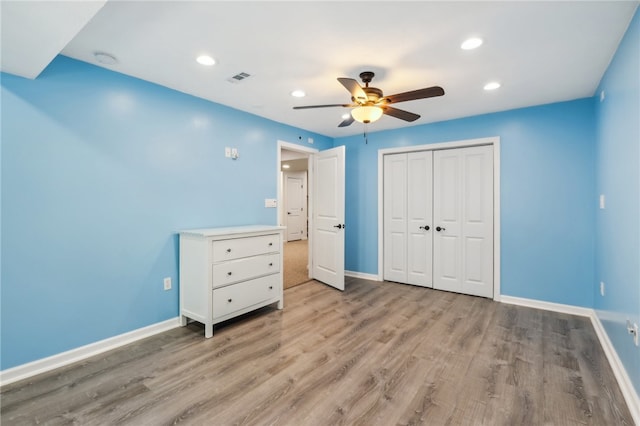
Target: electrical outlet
point(227, 152)
point(602, 201)
point(167, 283)
point(601, 288)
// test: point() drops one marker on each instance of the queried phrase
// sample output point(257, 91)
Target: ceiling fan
point(369, 103)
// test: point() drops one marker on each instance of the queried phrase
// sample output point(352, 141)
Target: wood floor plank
point(375, 354)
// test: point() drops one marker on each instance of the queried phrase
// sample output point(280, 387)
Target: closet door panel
point(477, 221)
point(395, 217)
point(463, 209)
point(419, 218)
point(447, 200)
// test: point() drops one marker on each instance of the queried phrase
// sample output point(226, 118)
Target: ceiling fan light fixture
point(298, 94)
point(366, 113)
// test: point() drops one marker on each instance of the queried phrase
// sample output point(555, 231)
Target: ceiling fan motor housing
point(373, 94)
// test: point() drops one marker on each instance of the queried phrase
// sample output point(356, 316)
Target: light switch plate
point(270, 203)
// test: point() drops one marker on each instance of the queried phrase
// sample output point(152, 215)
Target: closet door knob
point(229, 273)
point(426, 227)
point(440, 229)
point(229, 300)
point(228, 250)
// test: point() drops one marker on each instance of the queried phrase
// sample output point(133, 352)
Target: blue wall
point(618, 178)
point(99, 171)
point(547, 195)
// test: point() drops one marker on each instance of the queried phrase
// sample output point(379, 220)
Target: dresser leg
point(280, 304)
point(183, 320)
point(208, 330)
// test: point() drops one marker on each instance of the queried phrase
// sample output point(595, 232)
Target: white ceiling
point(541, 52)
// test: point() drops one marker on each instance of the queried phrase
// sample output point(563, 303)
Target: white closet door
point(419, 218)
point(395, 217)
point(463, 220)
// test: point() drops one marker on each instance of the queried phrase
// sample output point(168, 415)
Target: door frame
point(495, 142)
point(279, 205)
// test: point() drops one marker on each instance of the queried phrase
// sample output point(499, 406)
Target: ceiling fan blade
point(399, 113)
point(323, 106)
point(354, 88)
point(429, 92)
point(346, 122)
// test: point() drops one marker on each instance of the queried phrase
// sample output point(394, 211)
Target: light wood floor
point(377, 354)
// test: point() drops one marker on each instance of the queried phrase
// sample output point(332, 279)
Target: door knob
point(426, 227)
point(440, 229)
point(339, 226)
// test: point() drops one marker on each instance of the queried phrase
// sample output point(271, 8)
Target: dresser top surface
point(232, 230)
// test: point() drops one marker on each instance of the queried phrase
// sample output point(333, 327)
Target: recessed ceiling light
point(471, 43)
point(285, 166)
point(206, 60)
point(298, 94)
point(105, 58)
point(492, 85)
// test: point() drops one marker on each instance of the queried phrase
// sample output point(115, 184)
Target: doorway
point(293, 211)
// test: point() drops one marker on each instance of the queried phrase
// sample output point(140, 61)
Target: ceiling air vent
point(238, 77)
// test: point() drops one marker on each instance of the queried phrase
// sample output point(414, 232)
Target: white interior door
point(407, 186)
point(327, 227)
point(295, 198)
point(395, 217)
point(419, 218)
point(463, 220)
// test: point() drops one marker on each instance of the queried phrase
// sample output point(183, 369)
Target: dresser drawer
point(244, 247)
point(244, 269)
point(236, 297)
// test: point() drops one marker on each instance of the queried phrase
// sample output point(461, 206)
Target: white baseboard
point(362, 275)
point(624, 381)
point(43, 365)
point(547, 306)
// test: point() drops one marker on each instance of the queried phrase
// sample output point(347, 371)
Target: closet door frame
point(495, 142)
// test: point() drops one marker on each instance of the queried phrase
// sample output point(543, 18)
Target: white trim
point(354, 274)
point(624, 381)
point(43, 365)
point(495, 141)
point(547, 306)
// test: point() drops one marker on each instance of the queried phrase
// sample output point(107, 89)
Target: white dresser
point(226, 272)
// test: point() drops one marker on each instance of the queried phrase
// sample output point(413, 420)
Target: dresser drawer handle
point(229, 273)
point(228, 250)
point(229, 300)
point(270, 263)
point(270, 244)
point(270, 287)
